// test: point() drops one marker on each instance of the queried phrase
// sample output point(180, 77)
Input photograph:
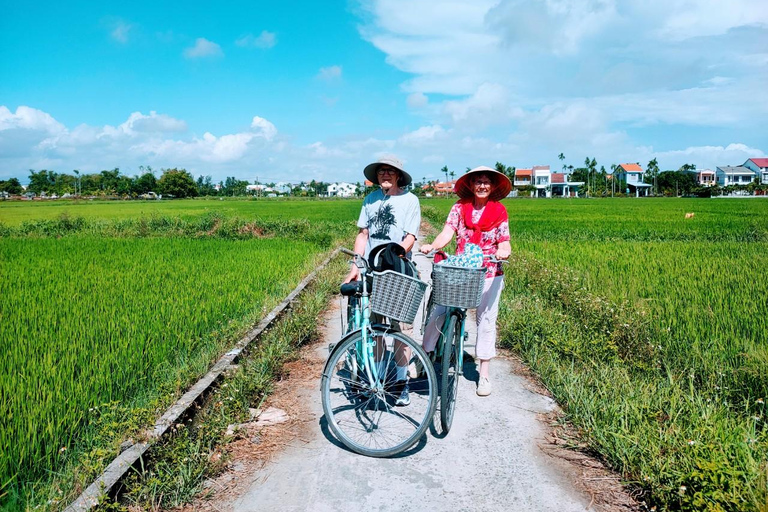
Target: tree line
point(171, 183)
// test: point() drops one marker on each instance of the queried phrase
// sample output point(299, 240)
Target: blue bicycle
point(372, 368)
point(456, 289)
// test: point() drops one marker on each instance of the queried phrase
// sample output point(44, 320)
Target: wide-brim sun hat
point(371, 169)
point(500, 188)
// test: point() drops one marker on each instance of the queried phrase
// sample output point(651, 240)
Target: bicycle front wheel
point(449, 378)
point(362, 414)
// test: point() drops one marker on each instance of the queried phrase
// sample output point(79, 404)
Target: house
point(523, 177)
point(739, 175)
point(444, 188)
point(283, 187)
point(562, 186)
point(261, 190)
point(341, 189)
point(705, 178)
point(542, 180)
point(632, 174)
point(760, 168)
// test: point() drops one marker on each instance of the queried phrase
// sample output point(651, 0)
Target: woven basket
point(458, 287)
point(396, 295)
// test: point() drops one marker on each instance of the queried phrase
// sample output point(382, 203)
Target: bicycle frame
point(362, 321)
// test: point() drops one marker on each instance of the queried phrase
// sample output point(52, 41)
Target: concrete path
point(490, 460)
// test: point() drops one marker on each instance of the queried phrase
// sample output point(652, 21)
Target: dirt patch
point(255, 447)
point(252, 229)
point(595, 479)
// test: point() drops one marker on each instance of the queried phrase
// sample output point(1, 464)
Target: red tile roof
point(540, 167)
point(558, 177)
point(523, 172)
point(631, 167)
point(760, 162)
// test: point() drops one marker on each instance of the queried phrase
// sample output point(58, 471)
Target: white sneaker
point(483, 386)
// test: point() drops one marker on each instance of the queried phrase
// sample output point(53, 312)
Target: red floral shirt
point(489, 240)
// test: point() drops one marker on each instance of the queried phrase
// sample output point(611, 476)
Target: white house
point(760, 167)
point(563, 186)
point(632, 174)
point(260, 189)
point(738, 175)
point(542, 177)
point(705, 177)
point(341, 189)
point(523, 177)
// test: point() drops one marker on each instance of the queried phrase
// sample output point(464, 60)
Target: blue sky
point(316, 90)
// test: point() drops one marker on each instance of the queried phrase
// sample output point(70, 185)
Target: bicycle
point(457, 289)
point(359, 386)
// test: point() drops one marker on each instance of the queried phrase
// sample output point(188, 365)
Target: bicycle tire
point(449, 378)
point(364, 418)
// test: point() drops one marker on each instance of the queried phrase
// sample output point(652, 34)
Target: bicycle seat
point(353, 288)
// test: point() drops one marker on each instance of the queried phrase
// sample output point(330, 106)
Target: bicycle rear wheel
point(449, 378)
point(361, 414)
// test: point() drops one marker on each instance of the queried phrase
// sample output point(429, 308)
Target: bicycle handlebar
point(489, 257)
point(357, 258)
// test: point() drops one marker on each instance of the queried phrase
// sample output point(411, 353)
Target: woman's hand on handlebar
point(503, 254)
point(426, 248)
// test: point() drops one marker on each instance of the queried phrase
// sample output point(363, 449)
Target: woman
point(479, 218)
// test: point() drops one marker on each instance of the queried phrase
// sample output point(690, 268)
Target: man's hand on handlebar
point(354, 272)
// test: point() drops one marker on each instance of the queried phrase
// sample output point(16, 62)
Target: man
point(389, 214)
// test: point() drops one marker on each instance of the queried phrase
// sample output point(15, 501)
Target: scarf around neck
point(493, 215)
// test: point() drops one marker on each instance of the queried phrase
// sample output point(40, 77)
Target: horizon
point(259, 92)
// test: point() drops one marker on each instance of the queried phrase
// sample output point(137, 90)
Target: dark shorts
point(394, 325)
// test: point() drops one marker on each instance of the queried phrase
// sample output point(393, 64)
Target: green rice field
point(652, 331)
point(14, 213)
point(106, 318)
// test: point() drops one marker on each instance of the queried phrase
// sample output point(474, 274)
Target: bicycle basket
point(458, 287)
point(396, 295)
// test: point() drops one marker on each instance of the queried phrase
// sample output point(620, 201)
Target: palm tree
point(452, 175)
point(562, 157)
point(444, 170)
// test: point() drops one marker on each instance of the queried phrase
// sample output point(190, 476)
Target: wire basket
point(396, 295)
point(457, 287)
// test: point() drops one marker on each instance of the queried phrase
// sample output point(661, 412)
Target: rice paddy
point(649, 328)
point(101, 314)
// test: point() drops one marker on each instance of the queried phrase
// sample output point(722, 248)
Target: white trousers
point(487, 313)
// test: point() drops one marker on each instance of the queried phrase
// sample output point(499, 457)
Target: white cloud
point(423, 135)
point(488, 105)
point(121, 31)
point(263, 128)
point(507, 57)
point(417, 100)
point(329, 73)
point(685, 19)
point(264, 40)
point(28, 118)
point(709, 157)
point(153, 123)
point(320, 150)
point(203, 48)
